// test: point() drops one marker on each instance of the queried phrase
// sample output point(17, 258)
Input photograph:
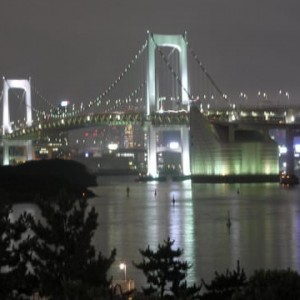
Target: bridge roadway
point(91, 120)
point(246, 118)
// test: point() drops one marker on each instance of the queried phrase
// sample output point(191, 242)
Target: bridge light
point(297, 148)
point(174, 145)
point(287, 94)
point(266, 114)
point(112, 146)
point(282, 150)
point(64, 103)
point(289, 118)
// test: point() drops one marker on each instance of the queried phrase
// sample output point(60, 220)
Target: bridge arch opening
point(168, 89)
point(8, 85)
point(17, 111)
point(178, 43)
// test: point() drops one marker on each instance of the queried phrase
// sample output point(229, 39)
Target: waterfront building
point(226, 153)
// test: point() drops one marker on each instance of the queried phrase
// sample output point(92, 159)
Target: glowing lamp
point(112, 146)
point(297, 148)
point(123, 267)
point(174, 145)
point(64, 103)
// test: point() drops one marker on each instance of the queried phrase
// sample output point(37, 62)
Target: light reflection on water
point(264, 232)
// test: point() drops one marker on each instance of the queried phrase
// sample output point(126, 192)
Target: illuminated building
point(55, 144)
point(128, 139)
point(225, 155)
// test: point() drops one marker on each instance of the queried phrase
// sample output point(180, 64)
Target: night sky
point(74, 49)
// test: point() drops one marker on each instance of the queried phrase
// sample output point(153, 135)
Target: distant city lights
point(282, 149)
point(64, 103)
point(297, 148)
point(112, 146)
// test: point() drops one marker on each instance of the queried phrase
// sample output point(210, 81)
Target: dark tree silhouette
point(67, 264)
point(271, 284)
point(15, 277)
point(223, 286)
point(165, 273)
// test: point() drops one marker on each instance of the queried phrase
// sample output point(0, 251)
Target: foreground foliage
point(165, 273)
point(15, 279)
point(67, 265)
point(271, 284)
point(224, 286)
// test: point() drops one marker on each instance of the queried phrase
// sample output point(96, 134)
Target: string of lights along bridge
point(163, 88)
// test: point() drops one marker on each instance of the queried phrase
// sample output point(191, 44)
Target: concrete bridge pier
point(185, 148)
point(290, 162)
point(151, 152)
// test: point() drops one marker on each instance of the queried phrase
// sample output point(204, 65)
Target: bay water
point(264, 230)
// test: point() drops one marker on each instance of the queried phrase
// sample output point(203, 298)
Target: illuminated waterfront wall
point(214, 152)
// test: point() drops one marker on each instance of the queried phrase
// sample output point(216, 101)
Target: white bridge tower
point(178, 42)
point(8, 84)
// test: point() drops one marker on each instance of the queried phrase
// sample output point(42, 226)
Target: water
point(264, 231)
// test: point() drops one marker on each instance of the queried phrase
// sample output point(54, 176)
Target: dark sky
point(75, 48)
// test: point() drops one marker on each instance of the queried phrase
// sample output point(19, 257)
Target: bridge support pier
point(185, 151)
point(151, 151)
point(290, 163)
point(177, 42)
point(8, 143)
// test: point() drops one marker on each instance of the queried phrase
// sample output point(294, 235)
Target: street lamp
point(123, 267)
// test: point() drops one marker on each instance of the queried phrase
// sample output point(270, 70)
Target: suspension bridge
point(165, 80)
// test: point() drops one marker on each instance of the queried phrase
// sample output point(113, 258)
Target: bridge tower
point(178, 42)
point(8, 84)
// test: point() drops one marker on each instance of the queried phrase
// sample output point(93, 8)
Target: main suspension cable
point(223, 95)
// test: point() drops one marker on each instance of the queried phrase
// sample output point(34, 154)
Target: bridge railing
point(166, 118)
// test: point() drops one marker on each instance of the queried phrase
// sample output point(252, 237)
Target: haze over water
point(265, 229)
